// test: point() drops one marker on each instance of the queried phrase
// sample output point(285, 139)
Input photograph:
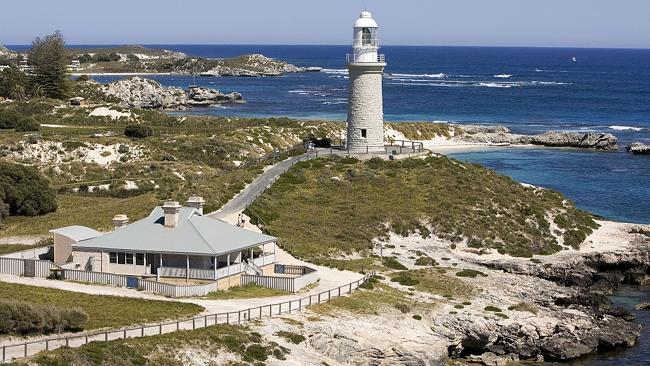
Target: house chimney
point(120, 221)
point(171, 210)
point(196, 202)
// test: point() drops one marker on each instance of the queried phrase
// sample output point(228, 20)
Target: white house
point(174, 241)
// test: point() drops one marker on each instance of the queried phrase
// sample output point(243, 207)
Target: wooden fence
point(165, 289)
point(304, 276)
point(20, 350)
point(25, 267)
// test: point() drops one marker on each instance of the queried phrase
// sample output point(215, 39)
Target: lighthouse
point(365, 132)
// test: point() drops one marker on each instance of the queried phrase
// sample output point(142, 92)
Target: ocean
point(529, 90)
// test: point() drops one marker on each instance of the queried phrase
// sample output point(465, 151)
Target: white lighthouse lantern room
point(365, 130)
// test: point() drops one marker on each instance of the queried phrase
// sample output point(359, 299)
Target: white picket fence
point(94, 277)
point(165, 289)
point(20, 267)
point(305, 277)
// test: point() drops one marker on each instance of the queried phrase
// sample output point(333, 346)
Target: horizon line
point(72, 45)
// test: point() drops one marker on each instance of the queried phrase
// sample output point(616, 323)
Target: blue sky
point(563, 23)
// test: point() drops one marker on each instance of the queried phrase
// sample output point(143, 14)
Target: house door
point(153, 262)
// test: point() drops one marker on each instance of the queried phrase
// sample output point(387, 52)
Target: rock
point(501, 135)
point(254, 65)
point(204, 96)
point(590, 140)
point(643, 306)
point(138, 92)
point(638, 148)
point(144, 93)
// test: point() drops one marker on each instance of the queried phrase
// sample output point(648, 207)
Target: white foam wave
point(625, 128)
point(334, 103)
point(432, 76)
point(496, 85)
point(503, 76)
point(335, 71)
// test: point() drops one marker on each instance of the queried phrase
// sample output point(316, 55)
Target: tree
point(138, 131)
point(50, 61)
point(17, 92)
point(38, 91)
point(25, 190)
point(10, 78)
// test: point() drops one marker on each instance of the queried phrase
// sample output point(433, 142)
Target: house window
point(129, 258)
point(139, 259)
point(364, 133)
point(121, 258)
point(112, 257)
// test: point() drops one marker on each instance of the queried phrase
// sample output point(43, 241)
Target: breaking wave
point(625, 128)
point(503, 76)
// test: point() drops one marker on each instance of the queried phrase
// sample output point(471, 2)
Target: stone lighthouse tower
point(365, 101)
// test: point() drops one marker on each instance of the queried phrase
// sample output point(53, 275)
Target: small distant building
point(77, 101)
point(365, 131)
point(75, 64)
point(174, 241)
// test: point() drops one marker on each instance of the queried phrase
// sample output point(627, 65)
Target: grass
point(168, 349)
point(12, 248)
point(451, 199)
point(94, 212)
point(103, 311)
point(434, 282)
point(380, 298)
point(245, 292)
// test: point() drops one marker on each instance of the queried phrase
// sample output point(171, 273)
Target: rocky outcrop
point(144, 93)
point(639, 148)
point(502, 135)
point(6, 53)
point(199, 96)
point(254, 65)
point(643, 306)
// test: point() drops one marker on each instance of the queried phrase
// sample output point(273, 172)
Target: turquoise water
point(627, 297)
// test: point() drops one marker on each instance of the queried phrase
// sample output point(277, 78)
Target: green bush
point(8, 119)
point(25, 190)
point(22, 318)
point(470, 273)
point(417, 317)
point(426, 261)
point(405, 280)
point(492, 308)
point(292, 337)
point(256, 352)
point(138, 131)
point(402, 308)
point(27, 124)
point(392, 263)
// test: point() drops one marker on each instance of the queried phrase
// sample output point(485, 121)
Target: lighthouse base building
point(365, 131)
point(365, 108)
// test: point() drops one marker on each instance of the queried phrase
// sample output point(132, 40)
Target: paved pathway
point(256, 187)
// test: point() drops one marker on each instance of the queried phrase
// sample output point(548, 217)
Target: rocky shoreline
point(138, 92)
point(638, 148)
point(502, 135)
point(549, 309)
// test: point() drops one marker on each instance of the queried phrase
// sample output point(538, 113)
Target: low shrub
point(256, 352)
point(501, 315)
point(417, 317)
point(492, 308)
point(292, 337)
point(459, 306)
point(392, 263)
point(27, 124)
point(138, 131)
point(402, 308)
point(524, 306)
point(470, 273)
point(18, 317)
point(405, 280)
point(8, 119)
point(426, 261)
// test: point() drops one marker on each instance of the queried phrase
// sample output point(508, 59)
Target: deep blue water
point(527, 89)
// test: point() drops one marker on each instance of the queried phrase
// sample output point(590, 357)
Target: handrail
point(232, 317)
point(352, 58)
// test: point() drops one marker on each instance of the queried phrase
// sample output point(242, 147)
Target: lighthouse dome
point(365, 21)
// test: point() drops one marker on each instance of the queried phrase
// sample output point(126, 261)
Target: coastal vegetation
point(102, 311)
point(346, 204)
point(21, 318)
point(245, 292)
point(240, 345)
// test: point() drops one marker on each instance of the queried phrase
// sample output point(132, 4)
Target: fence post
point(124, 334)
point(227, 318)
point(4, 353)
point(177, 326)
point(289, 306)
point(141, 332)
point(160, 328)
point(339, 291)
point(47, 345)
point(25, 349)
point(205, 321)
point(106, 337)
point(239, 317)
point(350, 290)
point(193, 323)
point(86, 339)
point(329, 294)
point(300, 303)
point(249, 313)
point(319, 297)
point(280, 311)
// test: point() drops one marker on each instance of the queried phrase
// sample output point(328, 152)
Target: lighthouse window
point(366, 37)
point(364, 133)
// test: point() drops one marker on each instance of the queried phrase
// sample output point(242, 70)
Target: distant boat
point(574, 59)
